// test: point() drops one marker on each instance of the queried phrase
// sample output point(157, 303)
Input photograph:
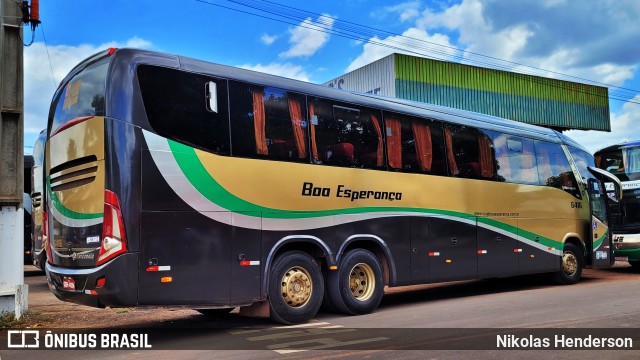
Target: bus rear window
point(83, 95)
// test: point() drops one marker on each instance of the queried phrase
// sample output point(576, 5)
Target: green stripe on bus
point(197, 174)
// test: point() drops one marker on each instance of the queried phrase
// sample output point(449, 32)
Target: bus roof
point(621, 145)
point(124, 58)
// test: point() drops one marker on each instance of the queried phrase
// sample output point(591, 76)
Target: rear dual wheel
point(296, 288)
point(357, 286)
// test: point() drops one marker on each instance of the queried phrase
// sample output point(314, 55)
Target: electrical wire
point(331, 25)
point(53, 76)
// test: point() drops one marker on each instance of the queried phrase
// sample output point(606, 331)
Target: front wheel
point(572, 265)
point(357, 286)
point(295, 289)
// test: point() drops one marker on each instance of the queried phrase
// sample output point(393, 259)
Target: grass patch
point(7, 319)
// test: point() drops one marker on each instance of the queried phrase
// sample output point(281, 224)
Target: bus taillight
point(114, 241)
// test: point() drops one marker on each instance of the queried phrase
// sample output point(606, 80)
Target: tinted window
point(582, 159)
point(268, 122)
point(624, 162)
point(346, 135)
point(554, 168)
point(83, 95)
point(470, 152)
point(516, 159)
point(414, 144)
point(176, 106)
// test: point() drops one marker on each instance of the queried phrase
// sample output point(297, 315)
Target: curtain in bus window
point(394, 143)
point(259, 123)
point(380, 151)
point(451, 159)
point(314, 145)
point(631, 160)
point(486, 156)
point(298, 132)
point(424, 147)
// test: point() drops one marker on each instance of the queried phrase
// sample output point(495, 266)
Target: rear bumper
point(120, 289)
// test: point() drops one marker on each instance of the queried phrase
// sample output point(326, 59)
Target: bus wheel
point(571, 267)
point(635, 265)
point(295, 289)
point(357, 287)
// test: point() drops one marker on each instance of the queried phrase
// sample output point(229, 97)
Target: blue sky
point(594, 40)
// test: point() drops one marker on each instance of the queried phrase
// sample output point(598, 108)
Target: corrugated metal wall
point(530, 99)
point(526, 98)
point(376, 78)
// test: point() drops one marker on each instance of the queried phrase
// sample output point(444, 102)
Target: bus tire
point(327, 305)
point(296, 288)
point(571, 266)
point(357, 286)
point(635, 265)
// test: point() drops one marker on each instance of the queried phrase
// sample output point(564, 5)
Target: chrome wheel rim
point(569, 263)
point(362, 282)
point(296, 287)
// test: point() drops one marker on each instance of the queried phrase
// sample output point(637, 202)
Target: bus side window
point(173, 100)
point(554, 168)
point(516, 159)
point(414, 144)
point(346, 135)
point(268, 122)
point(469, 152)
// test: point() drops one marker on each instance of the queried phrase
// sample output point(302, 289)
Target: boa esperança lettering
point(308, 189)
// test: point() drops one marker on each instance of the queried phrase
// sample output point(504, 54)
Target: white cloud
point(40, 84)
point(624, 127)
point(410, 42)
point(405, 11)
point(268, 39)
point(286, 70)
point(573, 38)
point(309, 36)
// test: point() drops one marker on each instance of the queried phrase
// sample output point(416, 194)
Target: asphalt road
point(459, 320)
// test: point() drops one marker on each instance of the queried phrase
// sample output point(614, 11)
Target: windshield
point(624, 162)
point(83, 95)
point(582, 159)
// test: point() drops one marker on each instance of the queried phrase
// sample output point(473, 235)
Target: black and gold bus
point(177, 182)
point(38, 237)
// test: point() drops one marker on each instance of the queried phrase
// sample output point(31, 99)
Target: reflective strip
point(159, 268)
point(480, 252)
point(517, 250)
point(434, 253)
point(249, 263)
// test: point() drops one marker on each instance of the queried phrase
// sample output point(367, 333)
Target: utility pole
point(13, 291)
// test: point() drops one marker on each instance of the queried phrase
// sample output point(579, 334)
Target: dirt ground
point(46, 311)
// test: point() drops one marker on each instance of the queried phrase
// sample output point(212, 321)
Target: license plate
point(68, 283)
point(622, 258)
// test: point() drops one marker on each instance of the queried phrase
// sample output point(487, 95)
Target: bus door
point(599, 243)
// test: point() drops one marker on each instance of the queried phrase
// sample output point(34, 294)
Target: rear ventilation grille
point(74, 173)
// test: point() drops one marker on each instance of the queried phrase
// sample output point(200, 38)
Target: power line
point(328, 24)
point(53, 76)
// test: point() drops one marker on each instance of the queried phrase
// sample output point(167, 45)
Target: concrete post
point(13, 291)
